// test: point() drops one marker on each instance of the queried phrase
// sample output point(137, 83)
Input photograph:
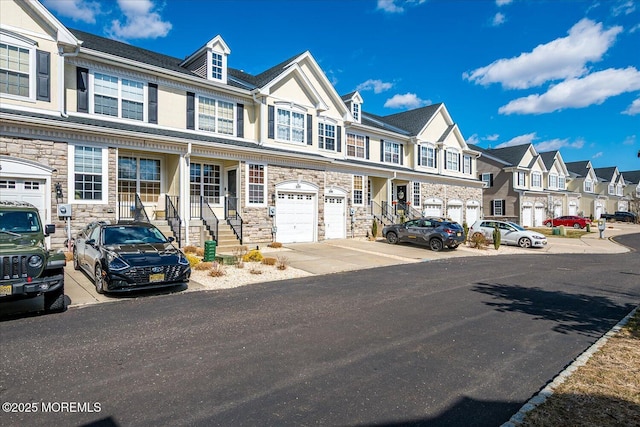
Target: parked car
point(568, 221)
point(510, 233)
point(434, 232)
point(129, 256)
point(621, 216)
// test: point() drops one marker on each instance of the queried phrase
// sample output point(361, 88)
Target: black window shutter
point(309, 129)
point(271, 122)
point(445, 159)
point(366, 153)
point(401, 154)
point(382, 150)
point(490, 180)
point(504, 206)
point(419, 154)
point(191, 110)
point(43, 72)
point(82, 89)
point(435, 157)
point(339, 139)
point(493, 207)
point(459, 165)
point(153, 103)
point(240, 120)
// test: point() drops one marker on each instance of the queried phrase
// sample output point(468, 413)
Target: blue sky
point(559, 74)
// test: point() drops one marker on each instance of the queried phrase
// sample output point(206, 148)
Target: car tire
point(98, 280)
point(76, 261)
point(436, 245)
point(576, 226)
point(392, 238)
point(54, 301)
point(548, 224)
point(524, 242)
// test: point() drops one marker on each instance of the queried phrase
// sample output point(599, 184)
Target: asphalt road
point(458, 342)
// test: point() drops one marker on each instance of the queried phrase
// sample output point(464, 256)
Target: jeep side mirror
point(49, 229)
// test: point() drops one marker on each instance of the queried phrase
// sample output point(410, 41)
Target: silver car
point(510, 233)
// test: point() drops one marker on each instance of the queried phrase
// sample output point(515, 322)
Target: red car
point(568, 221)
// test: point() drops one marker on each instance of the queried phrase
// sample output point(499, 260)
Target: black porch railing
point(130, 208)
point(209, 218)
point(381, 212)
point(173, 218)
point(233, 217)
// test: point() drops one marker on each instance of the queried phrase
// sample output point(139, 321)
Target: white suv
point(511, 233)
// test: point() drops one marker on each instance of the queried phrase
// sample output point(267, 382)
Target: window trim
point(387, 150)
point(71, 176)
point(223, 65)
point(536, 176)
point(416, 197)
point(361, 190)
point(120, 77)
point(248, 183)
point(424, 155)
point(202, 184)
point(137, 157)
point(494, 205)
point(291, 110)
point(467, 164)
point(355, 112)
point(356, 138)
point(322, 137)
point(21, 42)
point(450, 155)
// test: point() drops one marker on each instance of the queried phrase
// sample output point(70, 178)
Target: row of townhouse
point(528, 187)
point(112, 131)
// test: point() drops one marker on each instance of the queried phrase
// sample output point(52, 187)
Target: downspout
point(61, 56)
point(184, 189)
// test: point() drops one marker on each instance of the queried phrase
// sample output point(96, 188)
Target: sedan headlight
point(182, 260)
point(538, 237)
point(115, 262)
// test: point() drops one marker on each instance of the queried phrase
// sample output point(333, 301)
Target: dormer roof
point(580, 168)
point(216, 43)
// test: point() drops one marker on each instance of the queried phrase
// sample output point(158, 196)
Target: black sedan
point(434, 232)
point(129, 256)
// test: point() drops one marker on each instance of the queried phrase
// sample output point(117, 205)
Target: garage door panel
point(295, 217)
point(24, 190)
point(335, 217)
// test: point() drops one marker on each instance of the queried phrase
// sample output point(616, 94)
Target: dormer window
point(216, 66)
point(355, 110)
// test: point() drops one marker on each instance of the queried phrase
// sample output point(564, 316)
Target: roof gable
point(59, 32)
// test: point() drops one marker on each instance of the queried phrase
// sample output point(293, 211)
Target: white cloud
point(503, 2)
point(397, 6)
point(624, 7)
point(634, 108)
point(408, 100)
point(557, 60)
point(498, 19)
point(597, 155)
point(473, 139)
point(493, 137)
point(378, 86)
point(577, 93)
point(78, 10)
point(519, 140)
point(630, 140)
point(557, 144)
point(141, 22)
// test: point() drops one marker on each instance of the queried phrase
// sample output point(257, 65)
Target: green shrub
point(496, 237)
point(588, 227)
point(193, 259)
point(374, 229)
point(465, 226)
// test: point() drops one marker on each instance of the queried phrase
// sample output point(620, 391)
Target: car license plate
point(156, 277)
point(5, 290)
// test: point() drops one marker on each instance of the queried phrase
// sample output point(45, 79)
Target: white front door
point(295, 217)
point(334, 218)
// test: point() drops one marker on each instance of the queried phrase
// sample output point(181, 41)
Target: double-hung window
point(118, 97)
point(139, 175)
point(358, 189)
point(452, 160)
point(256, 185)
point(356, 112)
point(588, 186)
point(521, 179)
point(290, 125)
point(536, 180)
point(205, 180)
point(416, 195)
point(215, 115)
point(553, 181)
point(87, 173)
point(16, 70)
point(561, 182)
point(612, 189)
point(497, 206)
point(356, 145)
point(391, 152)
point(466, 165)
point(216, 66)
point(327, 136)
point(619, 190)
point(428, 156)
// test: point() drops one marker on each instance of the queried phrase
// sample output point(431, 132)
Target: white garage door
point(472, 214)
point(334, 218)
point(295, 217)
point(432, 210)
point(24, 190)
point(455, 213)
point(539, 216)
point(527, 216)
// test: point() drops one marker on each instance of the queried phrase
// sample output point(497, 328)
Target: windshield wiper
point(11, 233)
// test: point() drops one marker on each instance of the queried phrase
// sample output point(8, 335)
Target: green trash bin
point(210, 250)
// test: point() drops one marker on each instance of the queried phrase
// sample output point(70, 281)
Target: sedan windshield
point(517, 226)
point(129, 235)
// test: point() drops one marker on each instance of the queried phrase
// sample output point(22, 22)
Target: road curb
point(547, 391)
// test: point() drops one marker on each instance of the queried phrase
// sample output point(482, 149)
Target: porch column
point(185, 193)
